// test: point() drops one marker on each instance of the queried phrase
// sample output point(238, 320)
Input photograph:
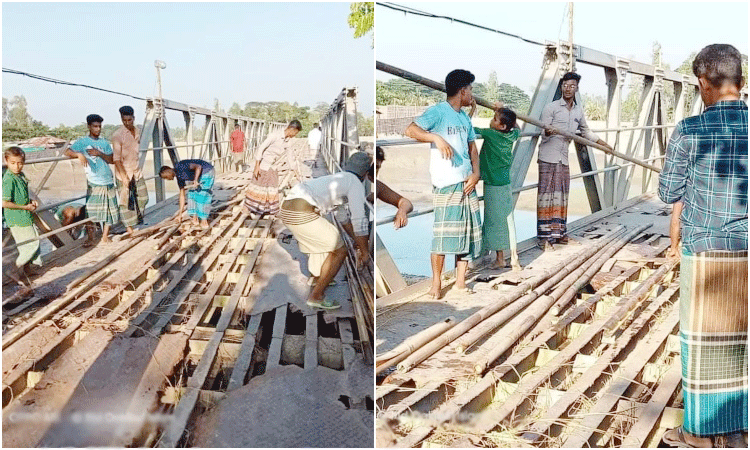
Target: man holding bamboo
point(554, 175)
point(706, 169)
point(454, 169)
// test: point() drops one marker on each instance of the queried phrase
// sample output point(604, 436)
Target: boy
point(17, 209)
point(495, 159)
point(95, 154)
point(197, 177)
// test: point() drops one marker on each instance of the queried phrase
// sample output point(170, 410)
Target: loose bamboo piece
point(103, 263)
point(535, 313)
point(406, 348)
point(470, 322)
point(440, 87)
point(48, 234)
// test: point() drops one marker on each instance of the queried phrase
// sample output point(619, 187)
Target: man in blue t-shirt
point(454, 169)
point(196, 177)
point(95, 154)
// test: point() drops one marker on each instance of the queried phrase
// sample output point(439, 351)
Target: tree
point(362, 19)
point(594, 107)
point(235, 109)
point(18, 115)
point(365, 125)
point(5, 109)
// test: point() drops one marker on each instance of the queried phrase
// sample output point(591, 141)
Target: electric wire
point(67, 83)
point(416, 12)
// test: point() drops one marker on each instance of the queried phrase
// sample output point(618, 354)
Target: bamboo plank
point(277, 338)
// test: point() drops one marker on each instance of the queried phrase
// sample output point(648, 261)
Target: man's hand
point(445, 148)
point(31, 206)
point(673, 253)
point(193, 185)
point(604, 144)
point(83, 160)
point(256, 173)
point(94, 152)
point(549, 131)
point(471, 183)
point(361, 255)
point(400, 220)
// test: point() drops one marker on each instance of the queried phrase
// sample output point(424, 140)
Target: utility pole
point(572, 62)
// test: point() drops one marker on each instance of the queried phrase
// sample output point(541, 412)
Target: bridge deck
point(601, 370)
point(160, 346)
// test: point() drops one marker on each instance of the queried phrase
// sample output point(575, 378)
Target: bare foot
point(105, 240)
point(130, 230)
point(204, 224)
point(434, 293)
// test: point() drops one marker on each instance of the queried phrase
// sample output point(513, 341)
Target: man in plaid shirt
point(706, 169)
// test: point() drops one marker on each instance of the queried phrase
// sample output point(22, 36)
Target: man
point(301, 212)
point(454, 169)
point(238, 148)
point(554, 174)
point(95, 154)
point(388, 195)
point(706, 169)
point(196, 177)
point(131, 185)
point(313, 137)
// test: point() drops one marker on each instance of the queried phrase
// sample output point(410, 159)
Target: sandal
point(325, 304)
point(679, 441)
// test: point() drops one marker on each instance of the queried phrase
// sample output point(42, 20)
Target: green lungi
point(101, 204)
point(26, 252)
point(132, 217)
point(457, 229)
point(713, 338)
point(498, 229)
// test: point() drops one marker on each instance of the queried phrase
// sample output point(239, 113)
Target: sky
point(628, 30)
point(234, 52)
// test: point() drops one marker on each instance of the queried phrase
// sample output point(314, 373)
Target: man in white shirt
point(302, 210)
point(313, 137)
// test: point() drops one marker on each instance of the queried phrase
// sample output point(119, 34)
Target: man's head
point(315, 125)
point(236, 126)
point(504, 120)
point(375, 167)
point(94, 122)
point(127, 115)
point(359, 164)
point(15, 159)
point(719, 71)
point(294, 127)
point(569, 85)
point(458, 83)
point(167, 173)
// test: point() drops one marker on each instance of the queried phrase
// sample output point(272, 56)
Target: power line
point(416, 12)
point(66, 83)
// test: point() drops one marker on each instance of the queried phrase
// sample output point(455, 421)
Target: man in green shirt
point(17, 209)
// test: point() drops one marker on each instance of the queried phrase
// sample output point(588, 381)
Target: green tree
point(365, 125)
point(362, 19)
point(235, 109)
point(5, 109)
point(594, 107)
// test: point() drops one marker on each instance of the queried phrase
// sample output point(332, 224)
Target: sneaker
point(325, 304)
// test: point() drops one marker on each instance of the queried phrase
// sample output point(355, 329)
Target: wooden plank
point(311, 341)
point(347, 342)
point(621, 379)
point(245, 358)
point(277, 338)
point(650, 415)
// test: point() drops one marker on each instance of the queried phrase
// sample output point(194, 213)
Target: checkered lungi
point(457, 229)
point(132, 217)
point(199, 200)
point(713, 336)
point(552, 200)
point(101, 204)
point(262, 195)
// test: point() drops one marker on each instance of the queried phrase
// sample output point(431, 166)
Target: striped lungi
point(713, 337)
point(498, 229)
point(317, 237)
point(131, 217)
point(458, 223)
point(101, 204)
point(199, 200)
point(27, 253)
point(552, 200)
point(262, 195)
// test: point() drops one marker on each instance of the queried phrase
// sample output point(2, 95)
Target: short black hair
point(506, 117)
point(719, 64)
point(379, 153)
point(127, 111)
point(295, 124)
point(14, 151)
point(164, 169)
point(315, 125)
point(457, 80)
point(93, 118)
point(571, 76)
point(236, 125)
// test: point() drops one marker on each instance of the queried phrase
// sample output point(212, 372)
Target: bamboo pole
point(406, 348)
point(106, 261)
point(470, 322)
point(520, 324)
point(480, 101)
